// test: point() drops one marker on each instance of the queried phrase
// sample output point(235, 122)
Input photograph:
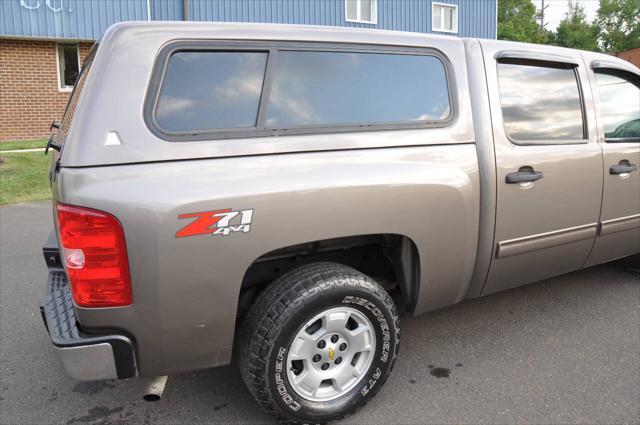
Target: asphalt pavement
point(566, 350)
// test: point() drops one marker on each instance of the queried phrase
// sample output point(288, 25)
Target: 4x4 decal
point(217, 222)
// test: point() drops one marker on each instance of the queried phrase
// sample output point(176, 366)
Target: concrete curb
point(23, 150)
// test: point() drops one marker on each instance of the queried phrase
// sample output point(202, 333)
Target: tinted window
point(210, 90)
point(619, 106)
point(540, 103)
point(320, 88)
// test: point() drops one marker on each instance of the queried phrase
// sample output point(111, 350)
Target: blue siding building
point(88, 19)
point(43, 42)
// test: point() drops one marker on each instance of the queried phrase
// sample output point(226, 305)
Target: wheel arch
point(391, 258)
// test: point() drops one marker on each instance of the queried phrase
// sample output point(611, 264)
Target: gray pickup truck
point(281, 195)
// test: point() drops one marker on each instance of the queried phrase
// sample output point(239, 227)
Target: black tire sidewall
point(387, 338)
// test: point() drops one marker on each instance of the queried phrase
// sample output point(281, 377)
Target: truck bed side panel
point(186, 289)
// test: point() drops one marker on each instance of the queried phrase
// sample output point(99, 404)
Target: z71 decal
point(218, 222)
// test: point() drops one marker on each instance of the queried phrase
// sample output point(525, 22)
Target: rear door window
point(210, 90)
point(619, 105)
point(540, 103)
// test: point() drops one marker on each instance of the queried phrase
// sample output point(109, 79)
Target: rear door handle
point(525, 174)
point(623, 167)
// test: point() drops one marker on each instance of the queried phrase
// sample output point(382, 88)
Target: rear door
point(548, 163)
point(617, 104)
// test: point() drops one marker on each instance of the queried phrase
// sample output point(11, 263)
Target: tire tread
point(276, 304)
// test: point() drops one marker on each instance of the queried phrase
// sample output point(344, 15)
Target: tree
point(574, 31)
point(618, 24)
point(517, 22)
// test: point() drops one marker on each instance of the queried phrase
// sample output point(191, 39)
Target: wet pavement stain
point(439, 372)
point(222, 406)
point(98, 413)
point(412, 381)
point(92, 387)
point(458, 364)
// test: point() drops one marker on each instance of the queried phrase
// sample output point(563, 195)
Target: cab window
point(619, 105)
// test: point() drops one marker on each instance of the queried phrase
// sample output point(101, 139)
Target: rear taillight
point(95, 255)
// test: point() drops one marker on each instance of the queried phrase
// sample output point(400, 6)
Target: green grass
point(24, 177)
point(23, 144)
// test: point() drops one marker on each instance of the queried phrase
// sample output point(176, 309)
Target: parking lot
point(565, 350)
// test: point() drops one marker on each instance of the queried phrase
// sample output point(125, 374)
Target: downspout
point(148, 10)
point(185, 10)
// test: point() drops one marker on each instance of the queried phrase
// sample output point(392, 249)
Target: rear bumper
point(86, 357)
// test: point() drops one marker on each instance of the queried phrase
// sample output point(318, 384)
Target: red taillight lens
point(95, 254)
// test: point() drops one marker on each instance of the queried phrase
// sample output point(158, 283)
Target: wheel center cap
point(332, 353)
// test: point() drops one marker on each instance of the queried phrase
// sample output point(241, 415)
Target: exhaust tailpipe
point(155, 388)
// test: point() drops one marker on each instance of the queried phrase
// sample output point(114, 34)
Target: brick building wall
point(632, 56)
point(29, 94)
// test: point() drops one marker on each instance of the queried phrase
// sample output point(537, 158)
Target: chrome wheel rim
point(330, 354)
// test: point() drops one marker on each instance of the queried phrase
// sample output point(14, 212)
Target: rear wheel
point(319, 343)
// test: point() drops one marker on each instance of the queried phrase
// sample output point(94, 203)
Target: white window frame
point(455, 15)
point(61, 86)
point(374, 12)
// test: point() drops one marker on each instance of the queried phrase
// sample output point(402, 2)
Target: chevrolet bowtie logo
point(331, 353)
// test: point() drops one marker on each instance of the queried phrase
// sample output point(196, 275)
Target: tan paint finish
point(129, 50)
point(620, 216)
point(620, 235)
point(548, 227)
point(436, 186)
point(186, 290)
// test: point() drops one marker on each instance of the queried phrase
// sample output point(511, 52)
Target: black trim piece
point(60, 321)
point(162, 59)
point(51, 252)
point(622, 168)
point(529, 56)
point(603, 65)
point(585, 124)
point(622, 139)
point(266, 88)
point(523, 176)
point(204, 158)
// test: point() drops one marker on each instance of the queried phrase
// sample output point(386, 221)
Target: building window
point(68, 65)
point(365, 11)
point(444, 17)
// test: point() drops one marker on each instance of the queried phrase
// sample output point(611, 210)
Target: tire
point(281, 324)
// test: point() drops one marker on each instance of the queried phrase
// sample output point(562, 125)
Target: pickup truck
point(281, 195)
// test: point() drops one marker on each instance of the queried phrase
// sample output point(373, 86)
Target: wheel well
point(390, 259)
